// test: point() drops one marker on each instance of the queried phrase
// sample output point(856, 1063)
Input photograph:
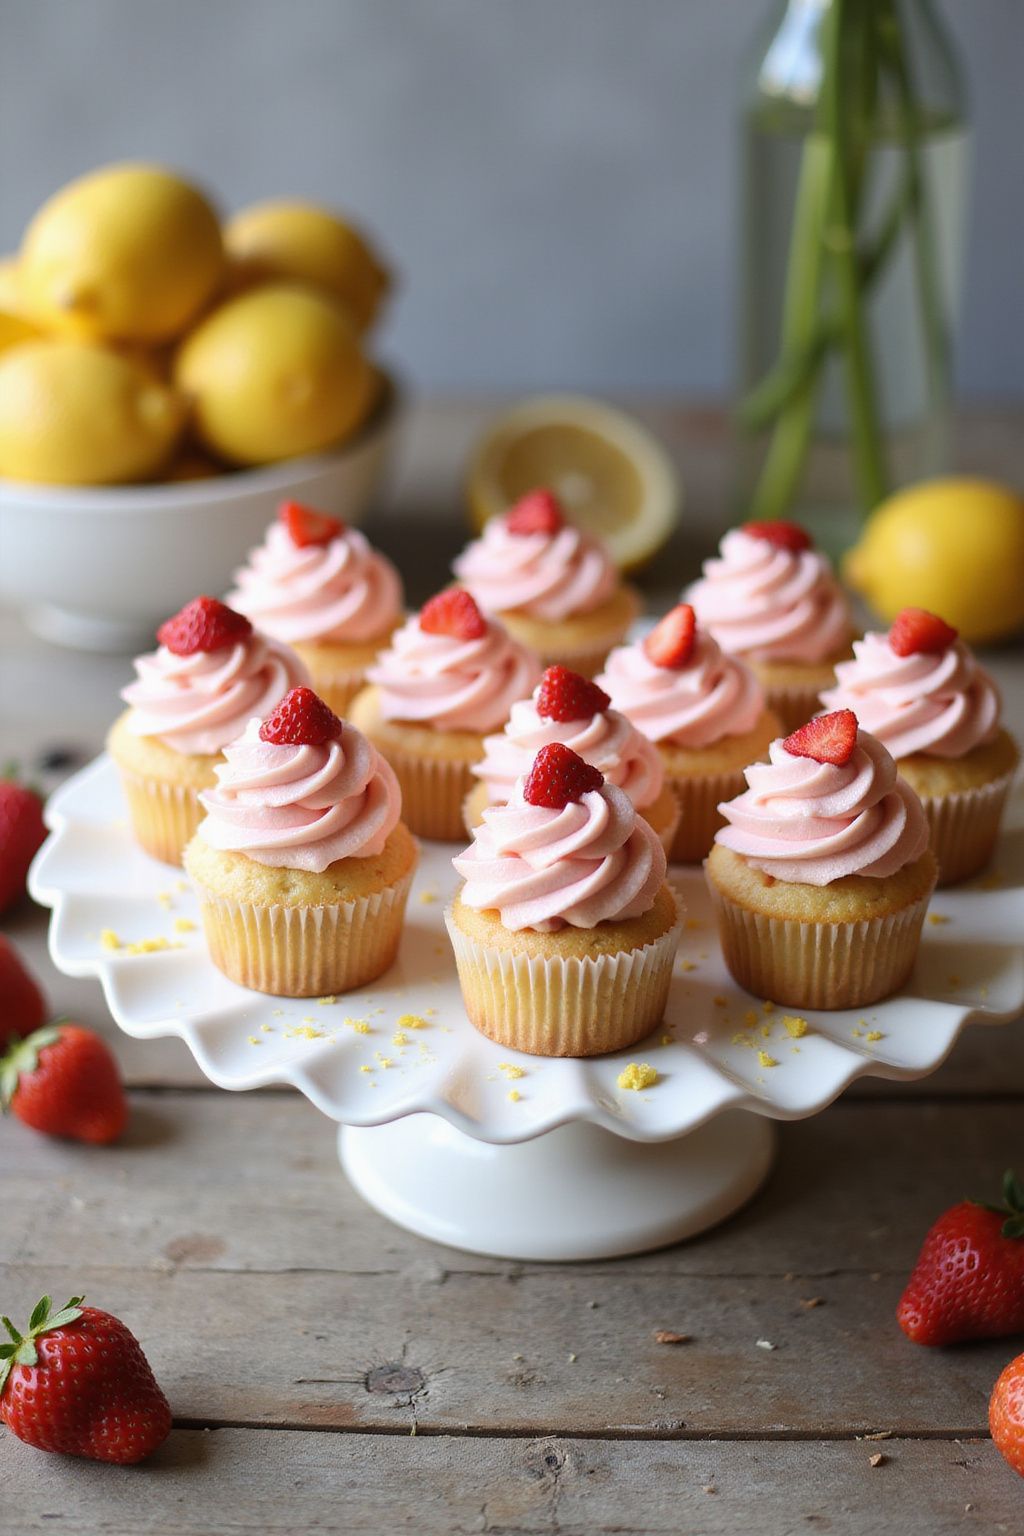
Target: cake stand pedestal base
point(578, 1192)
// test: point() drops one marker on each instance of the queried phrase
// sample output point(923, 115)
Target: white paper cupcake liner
point(580, 1006)
point(794, 703)
point(305, 951)
point(818, 965)
point(699, 819)
point(164, 817)
point(964, 827)
point(433, 792)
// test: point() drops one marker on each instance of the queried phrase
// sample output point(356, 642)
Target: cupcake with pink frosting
point(553, 586)
point(564, 930)
point(569, 708)
point(704, 711)
point(321, 588)
point(302, 862)
point(921, 691)
point(772, 598)
point(822, 874)
point(191, 697)
point(449, 677)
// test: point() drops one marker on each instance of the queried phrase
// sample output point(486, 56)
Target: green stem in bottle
point(790, 440)
point(866, 436)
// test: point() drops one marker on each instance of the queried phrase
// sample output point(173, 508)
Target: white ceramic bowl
point(100, 566)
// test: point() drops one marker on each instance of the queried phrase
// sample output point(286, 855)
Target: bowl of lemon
point(166, 379)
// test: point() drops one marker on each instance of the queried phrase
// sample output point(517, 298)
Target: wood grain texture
point(231, 1482)
point(223, 1219)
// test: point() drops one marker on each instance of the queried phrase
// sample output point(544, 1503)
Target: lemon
point(296, 240)
point(953, 546)
point(127, 253)
point(75, 414)
point(14, 326)
point(275, 373)
point(612, 476)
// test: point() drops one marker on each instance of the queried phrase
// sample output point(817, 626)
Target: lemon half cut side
point(611, 474)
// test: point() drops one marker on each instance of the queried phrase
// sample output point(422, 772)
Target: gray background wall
point(555, 177)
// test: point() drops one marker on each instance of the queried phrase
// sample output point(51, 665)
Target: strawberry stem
point(1012, 1206)
point(22, 1350)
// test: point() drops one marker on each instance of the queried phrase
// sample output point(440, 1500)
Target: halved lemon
point(612, 475)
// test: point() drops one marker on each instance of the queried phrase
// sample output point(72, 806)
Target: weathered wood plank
point(460, 1351)
point(232, 1481)
point(251, 1182)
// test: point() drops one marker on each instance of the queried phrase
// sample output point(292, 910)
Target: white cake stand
point(485, 1149)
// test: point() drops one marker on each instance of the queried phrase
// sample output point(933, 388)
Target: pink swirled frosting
point(550, 576)
point(453, 684)
point(711, 696)
point(812, 823)
point(591, 862)
point(769, 603)
point(301, 807)
point(940, 703)
point(606, 740)
point(198, 703)
point(341, 591)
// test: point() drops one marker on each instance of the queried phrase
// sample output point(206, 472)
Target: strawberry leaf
point(1013, 1226)
point(40, 1313)
point(1013, 1191)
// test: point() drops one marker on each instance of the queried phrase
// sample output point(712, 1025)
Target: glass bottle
point(855, 147)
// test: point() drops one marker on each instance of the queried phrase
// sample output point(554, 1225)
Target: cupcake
point(821, 877)
point(922, 693)
point(565, 930)
point(553, 586)
point(192, 696)
point(449, 677)
point(705, 712)
point(320, 587)
point(771, 598)
point(302, 865)
point(569, 708)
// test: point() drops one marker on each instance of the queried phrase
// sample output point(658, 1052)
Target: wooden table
point(329, 1372)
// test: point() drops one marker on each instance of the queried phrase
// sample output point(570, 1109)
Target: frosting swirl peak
point(451, 683)
point(711, 696)
point(342, 590)
point(549, 576)
point(301, 807)
point(770, 603)
point(940, 703)
point(593, 861)
point(813, 823)
point(199, 703)
point(606, 740)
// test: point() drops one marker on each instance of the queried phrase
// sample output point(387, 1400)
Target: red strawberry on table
point(1006, 1414)
point(916, 632)
point(827, 738)
point(670, 642)
point(565, 695)
point(77, 1381)
point(22, 1004)
point(559, 775)
point(204, 624)
point(968, 1282)
point(453, 612)
point(782, 534)
point(301, 719)
point(63, 1080)
point(306, 526)
point(22, 832)
point(537, 512)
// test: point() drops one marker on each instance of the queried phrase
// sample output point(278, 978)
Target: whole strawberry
point(968, 1282)
point(22, 1004)
point(78, 1382)
point(1006, 1414)
point(64, 1080)
point(22, 832)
